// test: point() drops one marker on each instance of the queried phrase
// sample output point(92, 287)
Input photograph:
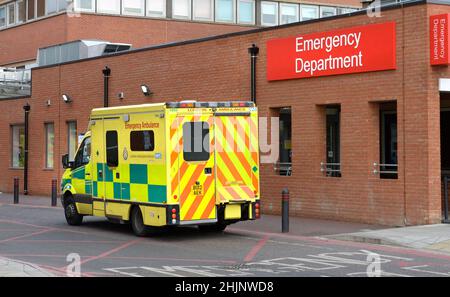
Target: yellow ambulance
point(166, 164)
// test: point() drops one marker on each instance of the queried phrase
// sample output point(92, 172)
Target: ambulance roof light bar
point(192, 104)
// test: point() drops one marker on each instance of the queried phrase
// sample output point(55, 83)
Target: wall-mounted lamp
point(121, 95)
point(66, 98)
point(146, 90)
point(49, 102)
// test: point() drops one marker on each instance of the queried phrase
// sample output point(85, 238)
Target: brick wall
point(219, 70)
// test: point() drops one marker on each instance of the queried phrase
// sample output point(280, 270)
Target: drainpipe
point(106, 76)
point(27, 109)
point(253, 51)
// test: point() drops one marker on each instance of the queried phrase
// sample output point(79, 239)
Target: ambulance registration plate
point(197, 190)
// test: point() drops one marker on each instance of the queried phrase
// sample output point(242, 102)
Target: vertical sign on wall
point(439, 39)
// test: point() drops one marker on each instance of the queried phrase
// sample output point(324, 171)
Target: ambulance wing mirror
point(65, 162)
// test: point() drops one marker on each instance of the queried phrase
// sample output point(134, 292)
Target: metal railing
point(330, 169)
point(379, 168)
point(284, 169)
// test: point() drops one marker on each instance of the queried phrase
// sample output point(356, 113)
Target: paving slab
point(15, 268)
point(435, 237)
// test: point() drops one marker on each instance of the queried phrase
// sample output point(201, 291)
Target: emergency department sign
point(439, 39)
point(351, 50)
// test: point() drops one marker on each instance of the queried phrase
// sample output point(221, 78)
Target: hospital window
point(196, 146)
point(30, 9)
point(308, 12)
point(112, 149)
point(85, 5)
point(388, 166)
point(108, 6)
point(326, 11)
point(63, 4)
point(332, 167)
point(156, 8)
point(203, 10)
point(142, 141)
point(181, 9)
point(246, 12)
point(49, 144)
point(40, 8)
point(72, 140)
point(51, 6)
point(11, 9)
point(2, 16)
point(225, 11)
point(269, 13)
point(21, 11)
point(283, 166)
point(288, 13)
point(133, 7)
point(18, 146)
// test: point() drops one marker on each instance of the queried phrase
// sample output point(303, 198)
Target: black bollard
point(446, 200)
point(16, 190)
point(285, 210)
point(54, 199)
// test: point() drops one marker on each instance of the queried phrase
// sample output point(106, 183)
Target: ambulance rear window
point(142, 141)
point(196, 141)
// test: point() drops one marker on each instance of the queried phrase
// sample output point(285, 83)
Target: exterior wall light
point(66, 98)
point(146, 90)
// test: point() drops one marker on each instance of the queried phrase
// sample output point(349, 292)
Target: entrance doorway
point(445, 145)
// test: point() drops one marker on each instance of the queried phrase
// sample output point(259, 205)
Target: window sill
point(48, 169)
point(16, 168)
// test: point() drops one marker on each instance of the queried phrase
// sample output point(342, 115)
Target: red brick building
point(356, 146)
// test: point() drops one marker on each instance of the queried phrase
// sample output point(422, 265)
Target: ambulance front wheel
point(73, 218)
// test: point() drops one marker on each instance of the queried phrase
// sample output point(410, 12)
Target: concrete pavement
point(16, 268)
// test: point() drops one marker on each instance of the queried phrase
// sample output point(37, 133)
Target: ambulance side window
point(112, 149)
point(196, 141)
point(142, 141)
point(84, 153)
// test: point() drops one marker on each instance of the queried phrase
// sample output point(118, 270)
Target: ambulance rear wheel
point(137, 222)
point(73, 218)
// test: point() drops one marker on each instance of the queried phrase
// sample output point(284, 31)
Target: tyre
point(73, 218)
point(217, 227)
point(137, 222)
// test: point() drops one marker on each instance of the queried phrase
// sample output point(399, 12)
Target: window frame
point(216, 4)
point(277, 9)
point(28, 10)
point(182, 17)
point(5, 17)
point(322, 8)
point(18, 21)
point(51, 12)
point(47, 160)
point(116, 12)
point(192, 130)
point(297, 8)
point(238, 17)
point(132, 13)
point(79, 9)
point(18, 126)
point(152, 137)
point(382, 142)
point(154, 15)
point(211, 11)
point(68, 139)
point(309, 6)
point(109, 148)
point(8, 12)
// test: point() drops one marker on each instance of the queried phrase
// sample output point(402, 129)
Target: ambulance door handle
point(100, 173)
point(117, 175)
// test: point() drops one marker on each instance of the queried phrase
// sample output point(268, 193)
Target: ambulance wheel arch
point(139, 222)
point(71, 212)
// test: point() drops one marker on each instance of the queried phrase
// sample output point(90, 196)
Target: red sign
point(439, 39)
point(350, 50)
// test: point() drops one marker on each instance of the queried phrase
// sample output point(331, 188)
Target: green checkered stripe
point(139, 182)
